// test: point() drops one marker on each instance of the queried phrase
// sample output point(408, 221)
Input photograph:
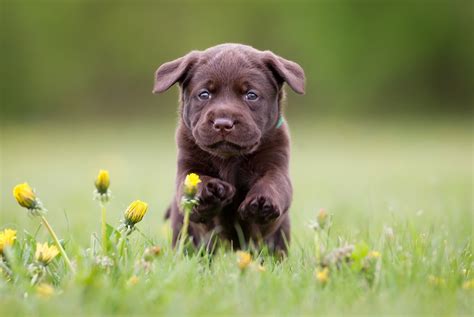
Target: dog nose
point(223, 124)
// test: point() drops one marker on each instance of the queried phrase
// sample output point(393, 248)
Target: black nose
point(223, 125)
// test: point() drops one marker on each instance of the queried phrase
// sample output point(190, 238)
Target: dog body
point(231, 134)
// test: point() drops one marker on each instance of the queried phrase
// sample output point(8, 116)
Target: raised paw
point(259, 208)
point(212, 195)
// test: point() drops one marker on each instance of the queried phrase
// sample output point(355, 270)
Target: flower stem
point(150, 242)
point(121, 244)
point(317, 245)
point(104, 230)
point(56, 240)
point(184, 230)
point(5, 268)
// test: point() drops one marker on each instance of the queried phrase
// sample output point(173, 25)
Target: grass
point(413, 178)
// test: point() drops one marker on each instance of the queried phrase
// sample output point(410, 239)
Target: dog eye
point(251, 96)
point(204, 95)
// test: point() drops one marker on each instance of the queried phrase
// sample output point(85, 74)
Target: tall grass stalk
point(58, 244)
point(184, 230)
point(104, 229)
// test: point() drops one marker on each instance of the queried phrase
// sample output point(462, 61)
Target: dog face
point(230, 95)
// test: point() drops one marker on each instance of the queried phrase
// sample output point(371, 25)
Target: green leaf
point(111, 232)
point(361, 250)
point(113, 236)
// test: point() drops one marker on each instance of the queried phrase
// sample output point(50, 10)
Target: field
point(402, 188)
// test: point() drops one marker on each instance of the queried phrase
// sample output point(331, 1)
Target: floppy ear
point(170, 73)
point(286, 71)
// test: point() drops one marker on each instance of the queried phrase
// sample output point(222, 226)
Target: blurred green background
point(78, 59)
point(384, 128)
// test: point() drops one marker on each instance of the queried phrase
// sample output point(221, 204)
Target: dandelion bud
point(243, 259)
point(135, 212)
point(190, 184)
point(26, 197)
point(102, 182)
point(45, 254)
point(322, 217)
point(151, 253)
point(188, 202)
point(7, 238)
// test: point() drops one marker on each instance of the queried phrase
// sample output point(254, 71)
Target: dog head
point(230, 94)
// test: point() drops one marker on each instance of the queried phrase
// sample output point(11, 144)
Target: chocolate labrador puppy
point(232, 134)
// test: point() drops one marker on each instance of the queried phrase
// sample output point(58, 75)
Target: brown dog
point(232, 135)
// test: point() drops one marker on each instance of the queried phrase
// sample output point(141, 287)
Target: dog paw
point(216, 192)
point(259, 208)
point(212, 196)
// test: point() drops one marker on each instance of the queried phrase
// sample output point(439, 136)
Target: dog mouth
point(226, 148)
point(242, 143)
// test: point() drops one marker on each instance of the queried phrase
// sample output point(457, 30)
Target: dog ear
point(172, 72)
point(286, 71)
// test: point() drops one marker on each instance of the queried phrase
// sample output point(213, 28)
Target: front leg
point(213, 194)
point(268, 200)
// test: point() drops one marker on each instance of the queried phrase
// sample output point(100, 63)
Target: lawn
point(402, 188)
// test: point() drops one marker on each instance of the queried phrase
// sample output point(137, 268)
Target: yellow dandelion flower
point(102, 182)
point(322, 275)
point(44, 290)
point(135, 212)
point(436, 281)
point(243, 259)
point(374, 254)
point(468, 284)
point(133, 280)
point(44, 253)
point(25, 196)
point(190, 184)
point(7, 238)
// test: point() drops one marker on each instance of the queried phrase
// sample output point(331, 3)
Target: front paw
point(215, 192)
point(212, 195)
point(259, 208)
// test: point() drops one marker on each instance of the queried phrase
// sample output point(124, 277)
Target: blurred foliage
point(83, 58)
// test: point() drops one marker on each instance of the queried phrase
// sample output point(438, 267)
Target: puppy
point(232, 134)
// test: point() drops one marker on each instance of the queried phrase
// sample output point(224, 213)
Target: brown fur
point(233, 143)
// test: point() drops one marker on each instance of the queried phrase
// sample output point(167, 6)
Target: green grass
point(414, 178)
